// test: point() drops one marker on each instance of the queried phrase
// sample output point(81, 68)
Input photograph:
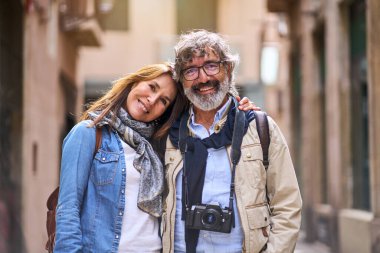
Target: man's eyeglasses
point(210, 68)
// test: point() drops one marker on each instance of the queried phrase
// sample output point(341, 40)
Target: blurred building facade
point(309, 63)
point(40, 97)
point(246, 24)
point(335, 114)
point(146, 40)
point(56, 53)
point(11, 57)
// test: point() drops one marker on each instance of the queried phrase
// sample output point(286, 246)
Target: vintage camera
point(209, 217)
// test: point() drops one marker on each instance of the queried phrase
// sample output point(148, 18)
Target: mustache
point(211, 83)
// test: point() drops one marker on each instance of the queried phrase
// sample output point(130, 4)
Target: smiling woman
point(149, 99)
point(152, 89)
point(125, 175)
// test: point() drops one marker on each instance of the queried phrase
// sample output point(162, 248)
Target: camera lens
point(209, 219)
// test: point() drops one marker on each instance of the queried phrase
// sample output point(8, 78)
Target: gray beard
point(209, 101)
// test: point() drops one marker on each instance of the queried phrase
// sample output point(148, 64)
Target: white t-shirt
point(139, 231)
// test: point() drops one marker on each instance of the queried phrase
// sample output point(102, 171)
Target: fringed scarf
point(146, 161)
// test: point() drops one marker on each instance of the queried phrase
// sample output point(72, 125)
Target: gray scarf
point(146, 161)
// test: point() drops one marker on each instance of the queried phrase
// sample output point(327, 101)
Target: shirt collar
point(218, 116)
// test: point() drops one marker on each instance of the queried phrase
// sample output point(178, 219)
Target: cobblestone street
point(304, 247)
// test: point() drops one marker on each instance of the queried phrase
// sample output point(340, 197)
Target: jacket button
point(103, 159)
point(171, 159)
point(249, 155)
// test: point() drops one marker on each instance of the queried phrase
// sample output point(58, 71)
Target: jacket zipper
point(174, 177)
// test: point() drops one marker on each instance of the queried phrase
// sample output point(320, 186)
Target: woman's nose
point(152, 99)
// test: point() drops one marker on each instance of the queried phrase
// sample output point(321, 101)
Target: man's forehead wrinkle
point(198, 51)
point(202, 52)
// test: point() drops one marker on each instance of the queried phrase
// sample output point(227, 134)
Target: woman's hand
point(246, 105)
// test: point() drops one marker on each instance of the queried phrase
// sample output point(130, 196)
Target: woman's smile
point(143, 106)
point(148, 100)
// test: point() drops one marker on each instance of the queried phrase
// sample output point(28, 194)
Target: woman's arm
point(246, 105)
point(77, 156)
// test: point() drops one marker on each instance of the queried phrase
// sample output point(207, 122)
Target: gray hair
point(196, 42)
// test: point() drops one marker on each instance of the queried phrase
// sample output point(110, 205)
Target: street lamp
point(269, 64)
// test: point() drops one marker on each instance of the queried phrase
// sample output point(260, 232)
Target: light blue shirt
point(216, 189)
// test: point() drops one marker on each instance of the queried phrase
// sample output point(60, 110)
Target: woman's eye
point(164, 102)
point(152, 87)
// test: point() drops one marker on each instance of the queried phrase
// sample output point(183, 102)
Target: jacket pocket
point(259, 226)
point(172, 158)
point(104, 167)
point(252, 157)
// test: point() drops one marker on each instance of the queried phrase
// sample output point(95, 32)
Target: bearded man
point(258, 210)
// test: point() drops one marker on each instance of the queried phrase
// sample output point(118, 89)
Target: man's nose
point(202, 76)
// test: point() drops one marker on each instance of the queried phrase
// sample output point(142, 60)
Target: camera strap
point(237, 138)
point(183, 132)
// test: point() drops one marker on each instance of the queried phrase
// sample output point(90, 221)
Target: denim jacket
point(91, 199)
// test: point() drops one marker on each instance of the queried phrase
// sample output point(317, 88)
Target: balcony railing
point(81, 20)
point(278, 5)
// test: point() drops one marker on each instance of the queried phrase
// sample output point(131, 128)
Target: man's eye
point(211, 66)
point(191, 71)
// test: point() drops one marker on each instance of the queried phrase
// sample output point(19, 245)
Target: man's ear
point(229, 70)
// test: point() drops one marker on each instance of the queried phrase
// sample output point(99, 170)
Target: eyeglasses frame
point(202, 66)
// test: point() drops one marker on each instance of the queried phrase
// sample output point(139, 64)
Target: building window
point(359, 106)
point(196, 14)
point(296, 101)
point(269, 64)
point(114, 15)
point(320, 51)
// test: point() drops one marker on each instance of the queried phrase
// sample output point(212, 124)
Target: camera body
point(209, 217)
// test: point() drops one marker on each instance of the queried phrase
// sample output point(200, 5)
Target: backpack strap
point(262, 127)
